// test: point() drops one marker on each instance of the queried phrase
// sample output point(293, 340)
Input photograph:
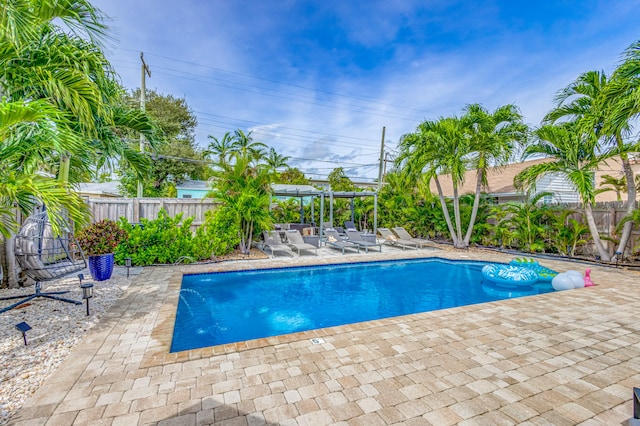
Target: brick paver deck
point(563, 358)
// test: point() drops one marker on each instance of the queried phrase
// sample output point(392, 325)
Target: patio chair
point(354, 236)
point(333, 239)
point(273, 241)
point(349, 225)
point(404, 235)
point(391, 239)
point(294, 240)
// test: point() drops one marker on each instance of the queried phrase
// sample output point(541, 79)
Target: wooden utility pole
point(381, 160)
point(143, 98)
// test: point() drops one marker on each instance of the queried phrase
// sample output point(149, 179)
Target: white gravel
point(56, 328)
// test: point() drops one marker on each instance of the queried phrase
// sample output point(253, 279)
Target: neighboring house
point(193, 189)
point(99, 190)
point(500, 183)
point(324, 184)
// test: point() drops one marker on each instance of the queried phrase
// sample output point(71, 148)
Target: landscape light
point(23, 327)
point(87, 293)
point(128, 265)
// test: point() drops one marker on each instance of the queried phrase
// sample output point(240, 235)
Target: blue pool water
point(230, 307)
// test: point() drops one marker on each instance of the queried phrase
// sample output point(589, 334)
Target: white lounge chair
point(391, 239)
point(404, 235)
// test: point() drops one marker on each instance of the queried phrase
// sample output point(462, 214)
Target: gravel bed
point(56, 328)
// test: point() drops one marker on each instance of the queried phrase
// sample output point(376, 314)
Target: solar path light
point(23, 327)
point(87, 293)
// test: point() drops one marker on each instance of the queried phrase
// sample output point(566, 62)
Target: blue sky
point(318, 80)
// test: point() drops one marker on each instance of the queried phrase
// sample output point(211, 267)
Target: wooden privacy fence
point(134, 209)
point(607, 216)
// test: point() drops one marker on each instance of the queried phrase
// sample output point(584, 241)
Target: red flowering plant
point(101, 238)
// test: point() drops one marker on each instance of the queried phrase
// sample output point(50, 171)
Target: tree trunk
point(474, 210)
point(445, 210)
point(456, 216)
point(631, 203)
point(604, 254)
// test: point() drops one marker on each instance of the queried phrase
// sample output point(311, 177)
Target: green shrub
point(162, 240)
point(218, 235)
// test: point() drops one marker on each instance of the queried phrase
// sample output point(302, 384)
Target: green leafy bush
point(101, 237)
point(162, 240)
point(218, 235)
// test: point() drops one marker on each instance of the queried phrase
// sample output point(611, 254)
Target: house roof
point(100, 188)
point(500, 179)
point(202, 185)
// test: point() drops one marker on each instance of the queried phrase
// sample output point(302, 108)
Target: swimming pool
point(228, 307)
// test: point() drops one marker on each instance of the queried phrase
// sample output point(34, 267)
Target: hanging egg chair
point(44, 256)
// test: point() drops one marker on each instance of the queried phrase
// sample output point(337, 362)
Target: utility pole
point(143, 98)
point(381, 160)
point(384, 172)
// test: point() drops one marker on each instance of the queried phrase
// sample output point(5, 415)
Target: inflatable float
point(544, 273)
point(509, 275)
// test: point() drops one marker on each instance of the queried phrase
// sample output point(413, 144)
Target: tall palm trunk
point(604, 254)
point(474, 210)
point(445, 210)
point(631, 199)
point(459, 243)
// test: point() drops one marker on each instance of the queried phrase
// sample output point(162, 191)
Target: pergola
point(301, 191)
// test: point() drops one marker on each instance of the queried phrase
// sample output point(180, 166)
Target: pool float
point(587, 278)
point(509, 275)
point(567, 281)
point(544, 273)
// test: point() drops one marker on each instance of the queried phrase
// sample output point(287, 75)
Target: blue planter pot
point(101, 267)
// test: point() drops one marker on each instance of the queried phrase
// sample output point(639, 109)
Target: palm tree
point(244, 191)
point(439, 147)
point(594, 101)
point(275, 161)
point(493, 137)
point(574, 156)
point(222, 148)
point(619, 185)
point(245, 146)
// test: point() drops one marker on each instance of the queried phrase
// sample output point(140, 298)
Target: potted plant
point(98, 242)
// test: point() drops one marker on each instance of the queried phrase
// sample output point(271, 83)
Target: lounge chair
point(404, 235)
point(273, 241)
point(354, 236)
point(294, 239)
point(349, 225)
point(391, 239)
point(333, 239)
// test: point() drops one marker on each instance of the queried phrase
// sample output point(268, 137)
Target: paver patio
point(562, 358)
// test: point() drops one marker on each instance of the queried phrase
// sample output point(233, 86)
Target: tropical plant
point(217, 236)
point(528, 223)
point(158, 241)
point(493, 137)
point(611, 183)
point(573, 155)
point(101, 237)
point(65, 79)
point(567, 232)
point(244, 190)
point(221, 149)
point(599, 106)
point(245, 146)
point(275, 161)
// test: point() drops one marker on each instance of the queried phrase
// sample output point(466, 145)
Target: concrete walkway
point(562, 358)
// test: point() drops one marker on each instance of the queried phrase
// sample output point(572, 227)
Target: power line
point(365, 99)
